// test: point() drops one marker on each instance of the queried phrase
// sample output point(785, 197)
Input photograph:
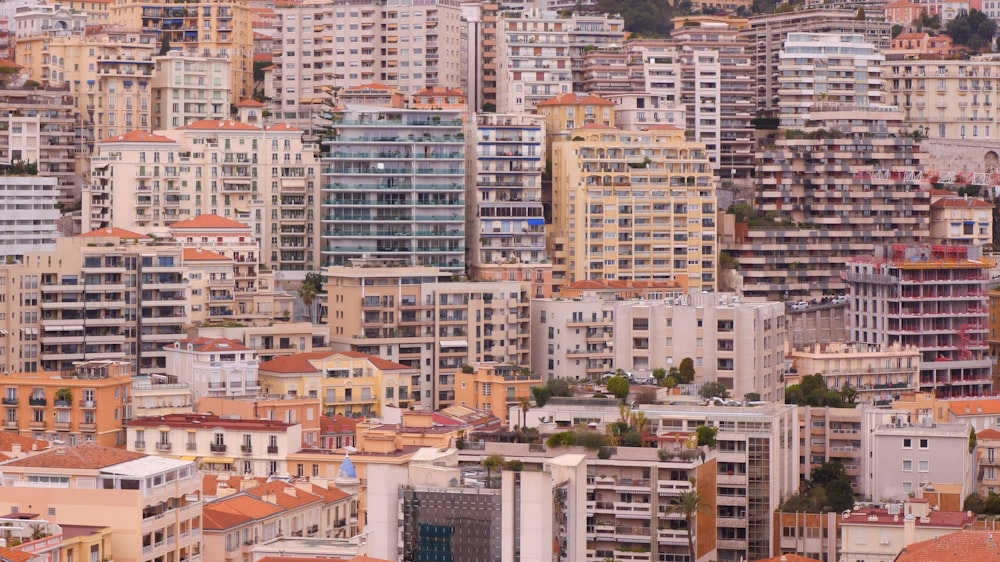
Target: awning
point(217, 460)
point(189, 458)
point(54, 328)
point(536, 222)
point(454, 343)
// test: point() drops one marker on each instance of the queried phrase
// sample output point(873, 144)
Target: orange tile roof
point(283, 127)
point(11, 555)
point(86, 456)
point(209, 221)
point(382, 364)
point(574, 99)
point(210, 483)
point(201, 254)
point(287, 496)
point(236, 510)
point(910, 35)
point(219, 125)
point(338, 424)
point(263, 57)
point(112, 232)
point(957, 202)
point(975, 407)
point(988, 434)
point(211, 344)
point(250, 103)
point(138, 136)
point(297, 363)
point(331, 494)
point(440, 90)
point(960, 545)
point(7, 63)
point(9, 439)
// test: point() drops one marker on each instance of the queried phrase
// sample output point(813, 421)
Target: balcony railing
point(217, 448)
point(164, 446)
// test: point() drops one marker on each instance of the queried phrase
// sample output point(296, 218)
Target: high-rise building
point(325, 45)
point(767, 35)
point(189, 87)
point(208, 28)
point(415, 316)
point(633, 205)
point(28, 215)
point(393, 188)
point(843, 185)
point(827, 70)
point(481, 53)
point(505, 223)
point(932, 298)
point(541, 54)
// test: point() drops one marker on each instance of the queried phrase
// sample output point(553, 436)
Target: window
point(907, 443)
point(923, 443)
point(924, 466)
point(907, 465)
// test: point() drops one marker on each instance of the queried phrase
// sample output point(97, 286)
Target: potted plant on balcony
point(63, 396)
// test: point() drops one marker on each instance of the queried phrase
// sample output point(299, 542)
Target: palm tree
point(309, 290)
point(525, 404)
point(689, 504)
point(491, 463)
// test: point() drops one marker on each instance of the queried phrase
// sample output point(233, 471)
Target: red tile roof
point(219, 125)
point(211, 344)
point(974, 407)
point(286, 496)
point(201, 254)
point(11, 555)
point(956, 202)
point(7, 63)
point(196, 421)
point(88, 456)
point(263, 57)
point(947, 519)
point(988, 434)
point(283, 127)
point(300, 362)
point(574, 99)
point(9, 439)
point(210, 483)
point(138, 136)
point(112, 232)
point(250, 103)
point(209, 221)
point(236, 510)
point(961, 545)
point(338, 424)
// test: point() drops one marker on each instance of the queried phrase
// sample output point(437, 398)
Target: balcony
point(140, 445)
point(40, 401)
point(8, 401)
point(246, 449)
point(63, 403)
point(217, 447)
point(88, 404)
point(272, 449)
point(164, 446)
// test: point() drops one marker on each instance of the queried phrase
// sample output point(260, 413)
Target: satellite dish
point(351, 449)
point(453, 482)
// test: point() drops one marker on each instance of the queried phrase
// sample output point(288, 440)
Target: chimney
point(291, 491)
point(909, 530)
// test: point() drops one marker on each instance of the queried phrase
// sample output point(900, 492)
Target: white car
point(801, 305)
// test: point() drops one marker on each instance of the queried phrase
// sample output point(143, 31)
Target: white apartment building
point(263, 177)
point(217, 444)
point(540, 54)
point(39, 19)
point(904, 452)
point(214, 367)
point(880, 535)
point(189, 87)
point(878, 372)
point(827, 70)
point(323, 45)
point(637, 111)
point(28, 214)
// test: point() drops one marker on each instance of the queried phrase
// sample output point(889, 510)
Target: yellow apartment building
point(493, 387)
point(85, 406)
point(347, 382)
point(632, 205)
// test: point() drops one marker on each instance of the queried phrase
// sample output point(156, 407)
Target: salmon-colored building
point(288, 409)
point(492, 387)
point(87, 405)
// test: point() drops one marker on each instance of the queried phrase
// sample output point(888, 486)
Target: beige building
point(189, 87)
point(217, 444)
point(879, 373)
point(156, 396)
point(988, 447)
point(265, 178)
point(326, 45)
point(833, 435)
point(220, 29)
point(213, 367)
point(879, 535)
point(414, 316)
point(274, 340)
point(151, 504)
point(960, 220)
point(632, 205)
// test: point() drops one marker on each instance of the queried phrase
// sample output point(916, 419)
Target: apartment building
point(38, 19)
point(820, 70)
point(932, 298)
point(816, 535)
point(217, 444)
point(373, 94)
point(960, 220)
point(833, 435)
point(882, 535)
point(505, 222)
point(189, 87)
point(153, 396)
point(414, 316)
point(904, 453)
point(346, 382)
point(28, 214)
point(413, 513)
point(635, 111)
point(213, 367)
point(842, 193)
point(335, 45)
point(633, 205)
point(262, 177)
point(307, 412)
point(64, 407)
point(37, 128)
point(259, 514)
point(492, 387)
point(987, 446)
point(152, 505)
point(276, 340)
point(220, 29)
point(767, 35)
point(879, 373)
point(737, 343)
point(481, 53)
point(393, 188)
point(540, 54)
point(751, 470)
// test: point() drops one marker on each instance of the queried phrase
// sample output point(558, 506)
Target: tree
point(618, 385)
point(973, 440)
point(646, 395)
point(525, 405)
point(974, 503)
point(164, 45)
point(706, 435)
point(491, 463)
point(827, 489)
point(686, 371)
point(309, 290)
point(849, 394)
point(713, 389)
point(560, 387)
point(972, 29)
point(861, 14)
point(688, 505)
point(812, 391)
point(896, 30)
point(751, 397)
point(541, 394)
point(660, 374)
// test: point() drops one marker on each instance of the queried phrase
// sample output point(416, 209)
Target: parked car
point(800, 305)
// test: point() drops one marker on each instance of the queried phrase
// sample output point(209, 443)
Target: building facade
point(213, 367)
point(879, 373)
